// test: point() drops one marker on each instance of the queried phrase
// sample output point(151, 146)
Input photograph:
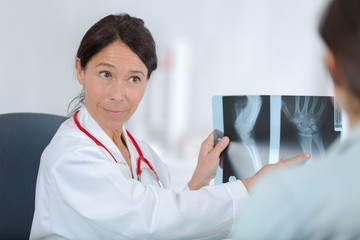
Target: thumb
point(208, 145)
point(220, 147)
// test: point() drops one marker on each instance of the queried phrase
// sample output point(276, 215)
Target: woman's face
point(114, 82)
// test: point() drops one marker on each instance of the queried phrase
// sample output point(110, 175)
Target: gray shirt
point(315, 201)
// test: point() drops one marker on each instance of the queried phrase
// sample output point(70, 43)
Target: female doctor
point(96, 181)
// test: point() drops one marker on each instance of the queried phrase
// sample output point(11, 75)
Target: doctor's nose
point(117, 91)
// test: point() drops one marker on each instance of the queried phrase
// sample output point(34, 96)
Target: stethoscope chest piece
point(148, 176)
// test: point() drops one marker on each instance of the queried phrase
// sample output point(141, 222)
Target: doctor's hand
point(208, 162)
point(283, 163)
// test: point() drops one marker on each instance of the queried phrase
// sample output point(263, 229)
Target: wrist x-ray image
point(262, 129)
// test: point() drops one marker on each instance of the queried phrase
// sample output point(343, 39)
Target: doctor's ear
point(79, 72)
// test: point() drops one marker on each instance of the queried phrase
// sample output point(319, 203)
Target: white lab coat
point(82, 193)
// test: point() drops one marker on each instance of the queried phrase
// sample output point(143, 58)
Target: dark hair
point(340, 30)
point(130, 30)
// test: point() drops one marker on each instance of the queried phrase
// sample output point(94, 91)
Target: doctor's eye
point(105, 74)
point(134, 79)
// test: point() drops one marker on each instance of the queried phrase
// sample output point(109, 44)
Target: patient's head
point(340, 30)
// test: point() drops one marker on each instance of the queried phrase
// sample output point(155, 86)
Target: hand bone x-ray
point(262, 129)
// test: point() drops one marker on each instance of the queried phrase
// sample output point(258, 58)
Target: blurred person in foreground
point(319, 200)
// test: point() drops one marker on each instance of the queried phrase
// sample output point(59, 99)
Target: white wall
point(230, 47)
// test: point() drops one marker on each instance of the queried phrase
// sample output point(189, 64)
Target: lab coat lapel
point(133, 153)
point(93, 127)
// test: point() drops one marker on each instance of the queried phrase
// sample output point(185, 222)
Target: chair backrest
point(23, 137)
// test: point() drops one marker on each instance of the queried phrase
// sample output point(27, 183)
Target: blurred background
point(205, 48)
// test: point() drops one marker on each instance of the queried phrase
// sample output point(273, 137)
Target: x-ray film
point(264, 128)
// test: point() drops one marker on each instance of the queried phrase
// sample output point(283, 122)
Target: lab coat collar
point(90, 124)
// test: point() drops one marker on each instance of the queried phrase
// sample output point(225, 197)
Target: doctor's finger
point(295, 160)
point(219, 147)
point(208, 144)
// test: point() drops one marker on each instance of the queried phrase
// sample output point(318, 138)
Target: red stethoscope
point(150, 171)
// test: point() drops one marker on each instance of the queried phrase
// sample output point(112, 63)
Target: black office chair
point(23, 137)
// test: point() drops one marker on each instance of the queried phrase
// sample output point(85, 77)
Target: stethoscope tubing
point(141, 155)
